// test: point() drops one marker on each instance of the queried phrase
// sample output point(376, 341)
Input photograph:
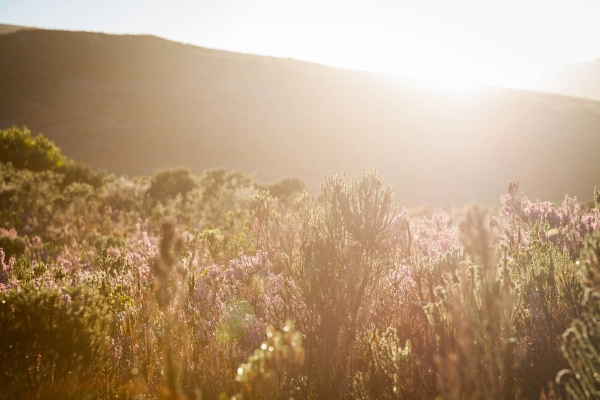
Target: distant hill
point(134, 104)
point(4, 28)
point(579, 80)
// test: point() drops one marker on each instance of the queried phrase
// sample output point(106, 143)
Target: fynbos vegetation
point(184, 286)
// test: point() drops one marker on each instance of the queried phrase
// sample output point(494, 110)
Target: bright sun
point(394, 42)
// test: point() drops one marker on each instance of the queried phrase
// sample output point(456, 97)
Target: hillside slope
point(134, 104)
point(5, 28)
point(580, 80)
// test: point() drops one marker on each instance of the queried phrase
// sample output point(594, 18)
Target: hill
point(5, 28)
point(135, 104)
point(579, 80)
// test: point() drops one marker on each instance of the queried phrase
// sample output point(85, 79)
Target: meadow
point(215, 286)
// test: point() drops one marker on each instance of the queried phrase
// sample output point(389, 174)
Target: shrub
point(27, 197)
point(11, 243)
point(167, 184)
point(343, 253)
point(75, 172)
point(286, 189)
point(216, 182)
point(38, 153)
point(53, 343)
point(24, 151)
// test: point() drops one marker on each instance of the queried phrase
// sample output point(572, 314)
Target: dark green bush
point(75, 172)
point(52, 344)
point(169, 183)
point(12, 245)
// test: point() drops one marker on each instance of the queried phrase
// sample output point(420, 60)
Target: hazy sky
point(449, 41)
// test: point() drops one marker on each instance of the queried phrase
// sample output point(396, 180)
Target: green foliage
point(12, 245)
point(24, 151)
point(38, 153)
point(75, 194)
point(25, 271)
point(53, 343)
point(232, 327)
point(75, 172)
point(26, 196)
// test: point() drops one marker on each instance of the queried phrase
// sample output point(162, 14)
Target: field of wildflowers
point(213, 286)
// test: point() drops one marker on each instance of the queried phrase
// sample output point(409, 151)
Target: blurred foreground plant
point(581, 342)
point(272, 371)
point(397, 364)
point(171, 291)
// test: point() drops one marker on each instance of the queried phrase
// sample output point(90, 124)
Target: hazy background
point(452, 43)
